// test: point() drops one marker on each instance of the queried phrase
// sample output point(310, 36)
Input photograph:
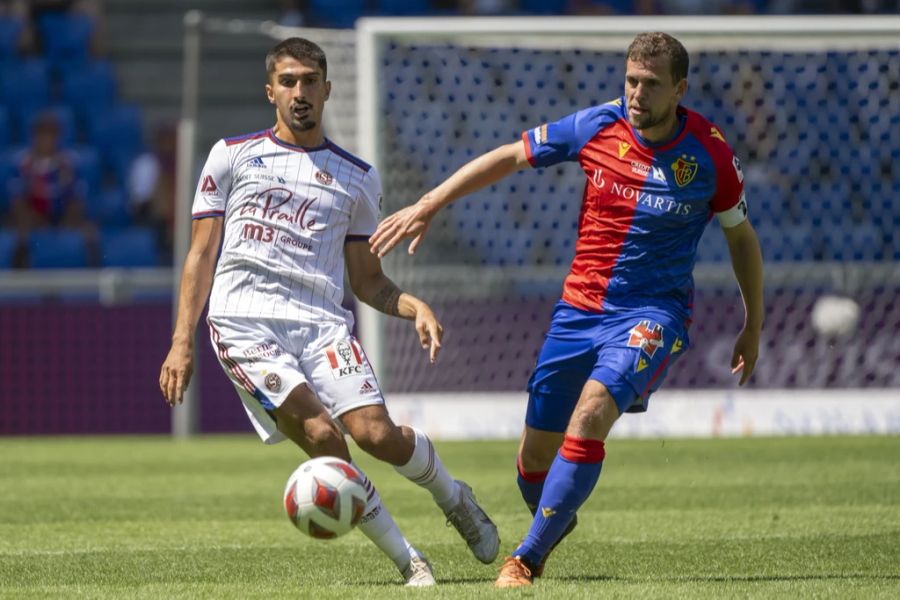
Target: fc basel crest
point(685, 169)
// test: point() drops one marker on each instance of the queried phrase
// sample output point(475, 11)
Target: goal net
point(809, 107)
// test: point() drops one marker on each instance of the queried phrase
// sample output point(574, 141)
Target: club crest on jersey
point(685, 169)
point(345, 359)
point(645, 337)
point(273, 382)
point(324, 177)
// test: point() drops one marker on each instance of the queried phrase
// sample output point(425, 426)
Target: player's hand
point(429, 330)
point(411, 221)
point(176, 373)
point(746, 352)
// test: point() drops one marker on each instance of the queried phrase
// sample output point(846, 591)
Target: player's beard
point(305, 122)
point(646, 121)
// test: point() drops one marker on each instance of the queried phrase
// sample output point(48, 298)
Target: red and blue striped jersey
point(644, 205)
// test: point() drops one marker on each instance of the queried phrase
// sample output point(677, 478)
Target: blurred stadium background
point(91, 94)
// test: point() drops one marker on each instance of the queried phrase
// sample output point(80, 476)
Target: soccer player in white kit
point(290, 209)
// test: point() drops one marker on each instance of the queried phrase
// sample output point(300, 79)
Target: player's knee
point(595, 412)
point(324, 438)
point(382, 441)
point(536, 458)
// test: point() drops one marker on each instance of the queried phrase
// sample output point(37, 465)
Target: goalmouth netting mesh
point(809, 106)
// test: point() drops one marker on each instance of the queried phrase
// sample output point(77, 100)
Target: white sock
point(425, 468)
point(378, 525)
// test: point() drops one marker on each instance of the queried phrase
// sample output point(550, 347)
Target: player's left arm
point(746, 260)
point(372, 286)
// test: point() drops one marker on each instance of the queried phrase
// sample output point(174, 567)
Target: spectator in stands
point(151, 187)
point(44, 189)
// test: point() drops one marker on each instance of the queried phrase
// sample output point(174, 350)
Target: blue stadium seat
point(713, 247)
point(57, 249)
point(66, 37)
point(404, 8)
point(790, 242)
point(543, 7)
point(117, 134)
point(136, 247)
point(86, 162)
point(25, 84)
point(4, 127)
point(10, 31)
point(862, 241)
point(89, 87)
point(108, 208)
point(8, 243)
point(336, 13)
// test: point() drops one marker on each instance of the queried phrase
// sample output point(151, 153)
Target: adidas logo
point(367, 388)
point(257, 162)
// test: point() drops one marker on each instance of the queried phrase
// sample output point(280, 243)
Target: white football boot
point(418, 572)
point(474, 525)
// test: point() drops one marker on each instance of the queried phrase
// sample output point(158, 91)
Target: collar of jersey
point(682, 127)
point(281, 142)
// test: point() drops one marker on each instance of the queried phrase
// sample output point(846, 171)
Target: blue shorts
point(629, 352)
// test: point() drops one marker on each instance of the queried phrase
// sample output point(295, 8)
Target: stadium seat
point(403, 8)
point(136, 247)
point(790, 242)
point(11, 30)
point(117, 134)
point(25, 86)
point(8, 243)
point(843, 242)
point(89, 87)
point(86, 162)
point(108, 208)
point(66, 37)
point(57, 249)
point(4, 127)
point(712, 246)
point(336, 13)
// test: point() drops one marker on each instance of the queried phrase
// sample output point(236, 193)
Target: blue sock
point(531, 485)
point(571, 479)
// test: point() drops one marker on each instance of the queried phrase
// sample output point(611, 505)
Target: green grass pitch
point(145, 517)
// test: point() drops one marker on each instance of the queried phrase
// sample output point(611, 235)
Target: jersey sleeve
point(364, 219)
point(562, 140)
point(729, 203)
point(214, 185)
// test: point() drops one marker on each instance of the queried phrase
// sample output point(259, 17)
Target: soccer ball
point(325, 497)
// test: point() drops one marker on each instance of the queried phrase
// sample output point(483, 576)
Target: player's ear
point(327, 89)
point(681, 88)
point(270, 93)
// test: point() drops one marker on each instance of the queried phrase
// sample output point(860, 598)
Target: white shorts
point(267, 358)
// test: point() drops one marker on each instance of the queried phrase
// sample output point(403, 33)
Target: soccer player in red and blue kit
point(656, 174)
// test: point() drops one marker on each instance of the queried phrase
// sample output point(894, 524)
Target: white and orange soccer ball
point(325, 497)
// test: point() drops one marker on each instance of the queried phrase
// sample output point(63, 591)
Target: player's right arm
point(196, 281)
point(542, 146)
point(199, 265)
point(412, 221)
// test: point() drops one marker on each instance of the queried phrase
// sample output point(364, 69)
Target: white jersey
point(288, 212)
